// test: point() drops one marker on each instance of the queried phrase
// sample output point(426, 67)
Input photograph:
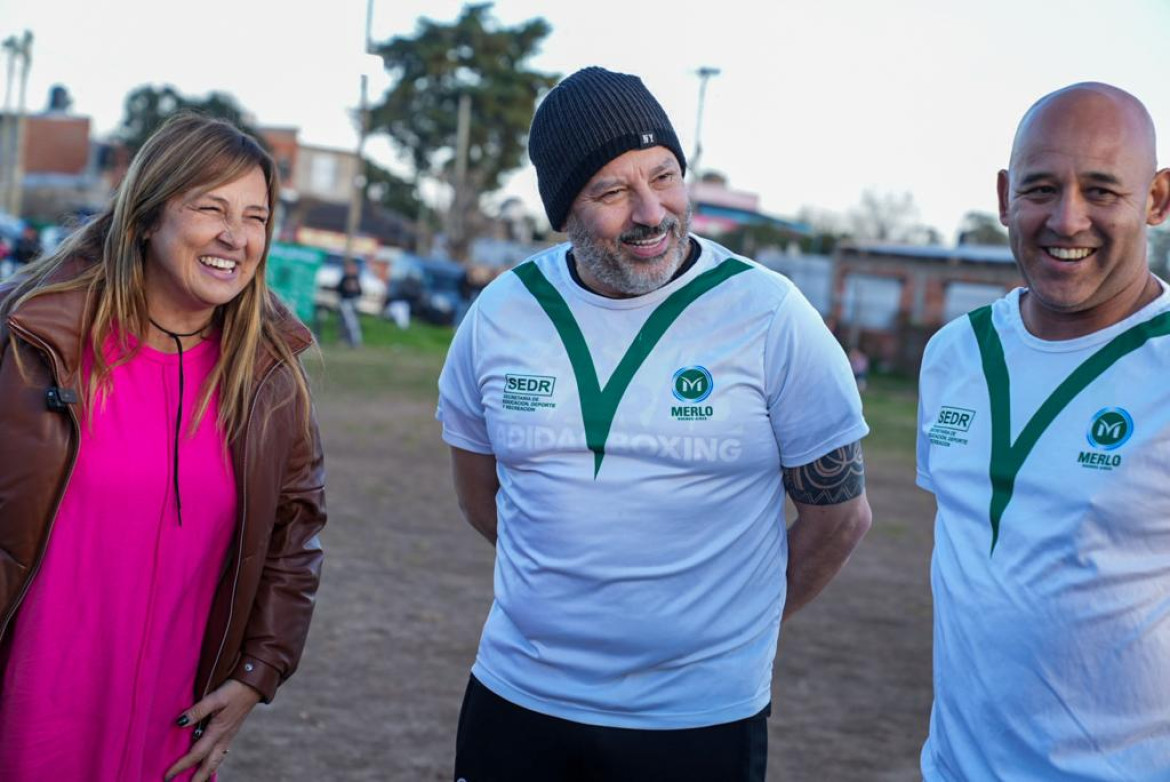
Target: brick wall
point(55, 144)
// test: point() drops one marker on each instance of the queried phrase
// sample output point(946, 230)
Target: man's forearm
point(819, 544)
point(476, 485)
point(832, 518)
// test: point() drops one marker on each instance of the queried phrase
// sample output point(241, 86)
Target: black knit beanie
point(586, 121)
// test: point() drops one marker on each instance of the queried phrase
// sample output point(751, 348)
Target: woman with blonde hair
point(161, 475)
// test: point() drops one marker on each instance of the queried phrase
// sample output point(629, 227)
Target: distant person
point(471, 283)
point(626, 413)
point(1045, 437)
point(462, 296)
point(859, 363)
point(27, 247)
point(161, 479)
point(403, 299)
point(349, 292)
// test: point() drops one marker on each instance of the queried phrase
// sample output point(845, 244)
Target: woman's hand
point(227, 707)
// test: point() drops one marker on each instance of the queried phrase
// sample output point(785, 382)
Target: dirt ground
point(407, 586)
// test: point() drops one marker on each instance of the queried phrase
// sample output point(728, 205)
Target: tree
point(147, 107)
point(982, 228)
point(391, 191)
point(439, 64)
point(59, 99)
point(750, 239)
point(828, 228)
point(886, 217)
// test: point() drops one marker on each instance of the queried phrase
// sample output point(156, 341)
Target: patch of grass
point(381, 333)
point(891, 409)
point(392, 362)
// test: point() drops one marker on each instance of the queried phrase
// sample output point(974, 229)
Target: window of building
point(962, 297)
point(323, 173)
point(812, 274)
point(870, 301)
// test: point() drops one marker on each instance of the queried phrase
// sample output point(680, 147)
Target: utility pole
point(704, 73)
point(13, 137)
point(458, 215)
point(357, 192)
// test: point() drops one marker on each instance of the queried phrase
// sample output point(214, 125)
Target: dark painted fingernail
point(182, 722)
point(198, 733)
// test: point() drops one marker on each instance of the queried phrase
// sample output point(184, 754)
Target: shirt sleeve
point(922, 450)
point(812, 396)
point(922, 439)
point(460, 408)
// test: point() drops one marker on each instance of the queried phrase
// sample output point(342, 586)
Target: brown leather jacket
point(264, 600)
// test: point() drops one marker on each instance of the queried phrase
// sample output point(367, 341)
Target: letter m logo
point(1109, 431)
point(1110, 428)
point(692, 384)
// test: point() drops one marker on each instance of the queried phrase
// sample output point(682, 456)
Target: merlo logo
point(692, 384)
point(1110, 428)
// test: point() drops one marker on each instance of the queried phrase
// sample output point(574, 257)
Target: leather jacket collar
point(56, 319)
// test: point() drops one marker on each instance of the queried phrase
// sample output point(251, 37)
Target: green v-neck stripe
point(1007, 458)
point(599, 405)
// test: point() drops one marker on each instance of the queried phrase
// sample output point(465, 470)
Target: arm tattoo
point(834, 478)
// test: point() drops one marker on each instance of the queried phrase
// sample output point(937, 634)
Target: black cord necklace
point(179, 413)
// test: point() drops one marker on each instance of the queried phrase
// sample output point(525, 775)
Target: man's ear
point(1158, 206)
point(1001, 189)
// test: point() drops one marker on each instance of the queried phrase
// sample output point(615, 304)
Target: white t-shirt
point(640, 584)
point(1052, 651)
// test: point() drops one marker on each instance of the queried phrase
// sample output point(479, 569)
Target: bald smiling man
point(1044, 434)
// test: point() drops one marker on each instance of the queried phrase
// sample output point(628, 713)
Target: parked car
point(433, 287)
point(373, 297)
point(10, 230)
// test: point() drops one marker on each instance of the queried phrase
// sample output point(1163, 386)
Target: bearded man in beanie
point(625, 414)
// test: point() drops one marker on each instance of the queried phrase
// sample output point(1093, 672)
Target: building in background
point(811, 273)
point(315, 197)
point(719, 210)
point(888, 299)
point(64, 174)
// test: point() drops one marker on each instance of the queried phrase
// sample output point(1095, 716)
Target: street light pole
point(704, 73)
point(13, 136)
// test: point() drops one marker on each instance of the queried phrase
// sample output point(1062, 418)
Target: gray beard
point(617, 270)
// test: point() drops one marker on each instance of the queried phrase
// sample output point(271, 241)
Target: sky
point(816, 102)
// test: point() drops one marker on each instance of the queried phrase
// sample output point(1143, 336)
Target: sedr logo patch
point(528, 393)
point(536, 385)
point(956, 418)
point(950, 425)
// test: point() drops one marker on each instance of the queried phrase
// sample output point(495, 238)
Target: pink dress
point(101, 657)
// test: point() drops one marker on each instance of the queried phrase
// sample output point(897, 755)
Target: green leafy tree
point(392, 191)
point(147, 107)
point(982, 228)
point(431, 71)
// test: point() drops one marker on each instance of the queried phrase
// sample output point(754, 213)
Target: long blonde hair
point(189, 151)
